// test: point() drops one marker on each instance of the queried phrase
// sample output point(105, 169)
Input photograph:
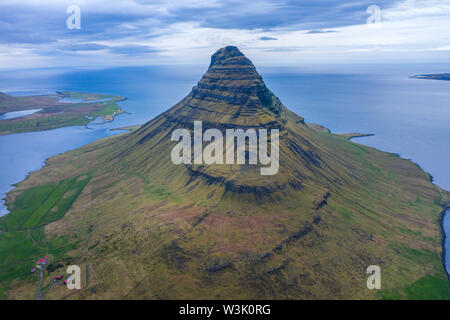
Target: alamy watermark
point(235, 140)
point(74, 280)
point(374, 13)
point(74, 20)
point(374, 280)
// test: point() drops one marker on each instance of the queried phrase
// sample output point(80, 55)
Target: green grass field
point(2, 294)
point(22, 240)
point(43, 204)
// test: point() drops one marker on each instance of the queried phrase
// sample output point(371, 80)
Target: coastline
point(90, 105)
point(437, 76)
point(351, 136)
point(439, 253)
point(445, 211)
point(127, 128)
point(439, 257)
point(445, 205)
point(4, 208)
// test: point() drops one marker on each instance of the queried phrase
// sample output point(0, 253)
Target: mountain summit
point(232, 79)
point(145, 227)
point(234, 91)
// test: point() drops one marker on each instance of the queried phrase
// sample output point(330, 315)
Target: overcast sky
point(276, 32)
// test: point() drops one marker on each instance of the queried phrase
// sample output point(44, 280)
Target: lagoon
point(17, 114)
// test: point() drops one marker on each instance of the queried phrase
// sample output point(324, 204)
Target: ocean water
point(410, 117)
point(149, 91)
point(446, 225)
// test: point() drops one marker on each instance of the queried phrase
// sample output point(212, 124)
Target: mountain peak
point(229, 55)
point(231, 92)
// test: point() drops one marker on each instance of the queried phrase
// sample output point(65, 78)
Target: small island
point(62, 109)
point(439, 76)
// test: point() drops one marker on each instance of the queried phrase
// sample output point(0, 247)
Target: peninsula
point(62, 109)
point(439, 76)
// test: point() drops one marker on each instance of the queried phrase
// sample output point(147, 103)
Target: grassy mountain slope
point(142, 227)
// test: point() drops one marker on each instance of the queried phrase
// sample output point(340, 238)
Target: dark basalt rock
point(223, 57)
point(324, 201)
point(264, 256)
point(259, 192)
point(307, 228)
point(232, 78)
point(218, 265)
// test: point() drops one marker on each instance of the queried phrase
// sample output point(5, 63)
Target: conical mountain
point(145, 227)
point(230, 95)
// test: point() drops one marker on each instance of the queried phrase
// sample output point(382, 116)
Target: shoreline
point(445, 205)
point(433, 76)
point(442, 253)
point(349, 136)
point(84, 106)
point(445, 211)
point(127, 128)
point(358, 135)
point(3, 200)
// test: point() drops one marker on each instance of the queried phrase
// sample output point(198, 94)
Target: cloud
point(320, 31)
point(83, 47)
point(188, 31)
point(132, 50)
point(267, 38)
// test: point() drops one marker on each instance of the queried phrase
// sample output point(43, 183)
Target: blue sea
point(446, 225)
point(407, 116)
